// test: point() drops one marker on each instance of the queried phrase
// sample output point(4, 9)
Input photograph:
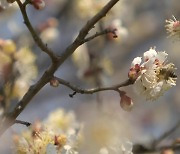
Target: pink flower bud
point(133, 73)
point(126, 102)
point(38, 4)
point(54, 82)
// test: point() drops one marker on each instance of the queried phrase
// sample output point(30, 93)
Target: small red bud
point(54, 82)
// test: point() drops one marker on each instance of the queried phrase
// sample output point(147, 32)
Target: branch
point(27, 124)
point(8, 120)
point(94, 90)
point(35, 36)
point(166, 134)
point(141, 149)
point(104, 32)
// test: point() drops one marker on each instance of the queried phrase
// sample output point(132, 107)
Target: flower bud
point(54, 82)
point(126, 102)
point(132, 74)
point(38, 4)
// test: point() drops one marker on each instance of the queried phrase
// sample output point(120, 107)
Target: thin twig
point(104, 32)
point(27, 124)
point(35, 36)
point(93, 90)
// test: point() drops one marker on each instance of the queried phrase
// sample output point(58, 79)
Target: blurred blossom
point(154, 75)
point(103, 134)
point(4, 3)
point(26, 69)
point(90, 66)
point(173, 28)
point(49, 35)
point(52, 136)
point(38, 4)
point(89, 8)
point(100, 135)
point(17, 70)
point(49, 31)
point(121, 32)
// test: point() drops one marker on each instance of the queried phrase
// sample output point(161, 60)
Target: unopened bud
point(38, 4)
point(132, 74)
point(54, 82)
point(126, 102)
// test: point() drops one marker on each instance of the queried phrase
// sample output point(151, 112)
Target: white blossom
point(173, 28)
point(154, 76)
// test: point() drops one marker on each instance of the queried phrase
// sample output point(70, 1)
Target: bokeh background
point(144, 21)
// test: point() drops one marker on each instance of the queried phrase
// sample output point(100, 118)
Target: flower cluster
point(154, 76)
point(58, 134)
point(90, 7)
point(173, 28)
point(17, 70)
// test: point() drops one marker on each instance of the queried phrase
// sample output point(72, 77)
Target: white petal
point(138, 86)
point(136, 60)
point(161, 56)
point(150, 63)
point(151, 53)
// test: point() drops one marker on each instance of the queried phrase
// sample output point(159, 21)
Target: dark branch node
point(27, 124)
point(72, 95)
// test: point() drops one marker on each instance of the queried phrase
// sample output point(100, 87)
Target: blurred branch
point(138, 148)
point(9, 119)
point(94, 90)
point(104, 32)
point(141, 149)
point(166, 134)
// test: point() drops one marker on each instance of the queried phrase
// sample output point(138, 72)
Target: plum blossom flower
point(154, 76)
point(173, 27)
